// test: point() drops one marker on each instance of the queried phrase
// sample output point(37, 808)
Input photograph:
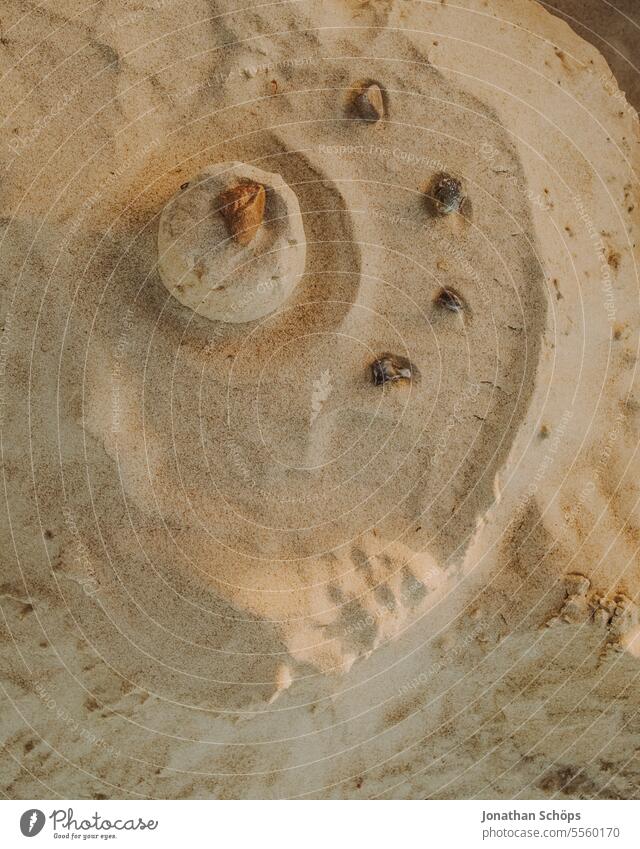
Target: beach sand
point(233, 565)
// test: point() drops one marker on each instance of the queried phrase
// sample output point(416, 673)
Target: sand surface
point(232, 565)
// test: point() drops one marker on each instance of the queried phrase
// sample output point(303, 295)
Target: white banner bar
point(320, 825)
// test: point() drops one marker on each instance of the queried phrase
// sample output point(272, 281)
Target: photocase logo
point(32, 822)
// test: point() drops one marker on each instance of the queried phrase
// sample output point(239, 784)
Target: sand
point(233, 565)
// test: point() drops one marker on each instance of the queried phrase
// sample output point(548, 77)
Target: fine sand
point(233, 565)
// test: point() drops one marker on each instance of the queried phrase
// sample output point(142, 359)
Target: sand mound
point(231, 243)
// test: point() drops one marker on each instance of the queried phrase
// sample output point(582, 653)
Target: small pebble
point(450, 300)
point(445, 194)
point(389, 368)
point(242, 207)
point(369, 104)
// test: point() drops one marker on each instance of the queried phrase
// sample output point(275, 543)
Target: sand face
point(228, 510)
point(304, 478)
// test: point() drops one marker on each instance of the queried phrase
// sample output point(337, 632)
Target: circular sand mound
point(231, 243)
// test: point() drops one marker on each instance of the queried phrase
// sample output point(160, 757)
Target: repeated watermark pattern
point(322, 388)
point(79, 730)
